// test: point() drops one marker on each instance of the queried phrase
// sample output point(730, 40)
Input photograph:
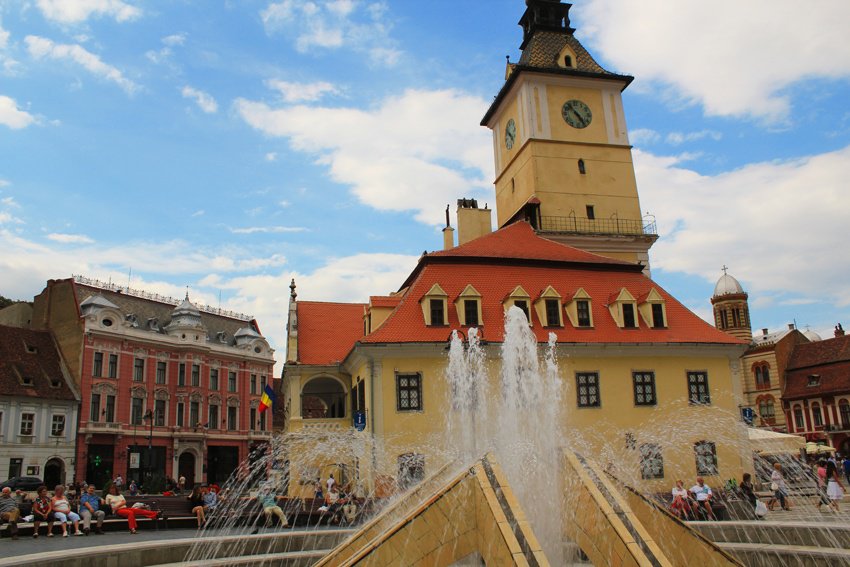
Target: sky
point(231, 145)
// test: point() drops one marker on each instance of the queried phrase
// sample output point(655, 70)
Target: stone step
point(289, 559)
point(771, 555)
point(811, 534)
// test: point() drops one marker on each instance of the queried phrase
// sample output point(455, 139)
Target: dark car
point(28, 483)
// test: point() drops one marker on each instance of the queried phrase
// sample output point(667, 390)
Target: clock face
point(510, 134)
point(576, 114)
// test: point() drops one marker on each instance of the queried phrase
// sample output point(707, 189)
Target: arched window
point(762, 374)
point(817, 416)
point(767, 410)
point(799, 424)
point(844, 410)
point(323, 398)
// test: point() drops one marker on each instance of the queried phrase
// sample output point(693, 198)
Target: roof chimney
point(790, 326)
point(448, 233)
point(764, 332)
point(472, 222)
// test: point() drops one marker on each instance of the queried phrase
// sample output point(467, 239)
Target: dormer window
point(567, 58)
point(814, 380)
point(434, 307)
point(578, 310)
point(548, 307)
point(30, 348)
point(653, 309)
point(568, 61)
point(519, 298)
point(623, 308)
point(468, 305)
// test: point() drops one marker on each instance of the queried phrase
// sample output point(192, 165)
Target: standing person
point(196, 500)
point(90, 507)
point(318, 493)
point(834, 488)
point(62, 512)
point(119, 482)
point(847, 469)
point(42, 511)
point(680, 504)
point(779, 488)
point(118, 503)
point(181, 484)
point(702, 493)
point(820, 476)
point(9, 511)
point(133, 488)
point(746, 489)
point(331, 482)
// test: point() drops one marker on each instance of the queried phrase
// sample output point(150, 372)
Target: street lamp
point(149, 417)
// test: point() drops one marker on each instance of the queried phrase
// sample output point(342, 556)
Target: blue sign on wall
point(359, 420)
point(748, 414)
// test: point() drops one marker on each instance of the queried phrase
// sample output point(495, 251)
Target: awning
point(766, 442)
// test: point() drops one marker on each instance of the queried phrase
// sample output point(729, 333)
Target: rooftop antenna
point(219, 299)
point(129, 277)
point(447, 216)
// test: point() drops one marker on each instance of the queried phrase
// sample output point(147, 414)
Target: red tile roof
point(518, 241)
point(327, 331)
point(830, 359)
point(33, 355)
point(385, 300)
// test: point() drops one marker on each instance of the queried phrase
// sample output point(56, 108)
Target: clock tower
point(562, 152)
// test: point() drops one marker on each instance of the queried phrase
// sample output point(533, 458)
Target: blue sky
point(232, 145)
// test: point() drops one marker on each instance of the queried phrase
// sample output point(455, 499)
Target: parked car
point(28, 483)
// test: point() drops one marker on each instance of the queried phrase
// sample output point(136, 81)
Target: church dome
point(812, 336)
point(727, 285)
point(185, 315)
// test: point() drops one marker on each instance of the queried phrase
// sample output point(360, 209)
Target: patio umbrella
point(813, 448)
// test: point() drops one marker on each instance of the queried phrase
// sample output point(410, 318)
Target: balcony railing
point(103, 426)
point(582, 225)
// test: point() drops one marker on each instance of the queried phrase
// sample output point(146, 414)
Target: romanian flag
point(268, 398)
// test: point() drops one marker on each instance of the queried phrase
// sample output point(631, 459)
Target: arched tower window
point(761, 370)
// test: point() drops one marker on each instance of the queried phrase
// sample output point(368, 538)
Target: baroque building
point(39, 405)
point(168, 388)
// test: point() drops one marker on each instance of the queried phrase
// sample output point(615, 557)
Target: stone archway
point(54, 472)
point(323, 397)
point(186, 468)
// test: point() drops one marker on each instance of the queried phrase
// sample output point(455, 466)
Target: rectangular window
point(110, 409)
point(57, 427)
point(644, 385)
point(523, 305)
point(705, 454)
point(213, 379)
point(194, 414)
point(262, 420)
point(213, 420)
point(736, 317)
point(231, 381)
point(138, 369)
point(231, 418)
point(97, 368)
point(798, 419)
point(438, 314)
point(253, 415)
point(181, 374)
point(587, 387)
point(254, 384)
point(591, 213)
point(658, 316)
point(629, 316)
point(408, 392)
point(94, 408)
point(470, 312)
point(179, 418)
point(159, 413)
point(724, 322)
point(136, 411)
point(161, 371)
point(112, 371)
point(196, 375)
point(651, 462)
point(27, 423)
point(553, 313)
point(817, 417)
point(698, 388)
point(844, 411)
point(583, 311)
point(263, 382)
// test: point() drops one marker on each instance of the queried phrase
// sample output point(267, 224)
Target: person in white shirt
point(702, 494)
point(331, 482)
point(680, 504)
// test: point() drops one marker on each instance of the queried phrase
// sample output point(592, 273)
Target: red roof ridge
point(307, 301)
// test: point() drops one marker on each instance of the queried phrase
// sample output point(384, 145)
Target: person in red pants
point(119, 505)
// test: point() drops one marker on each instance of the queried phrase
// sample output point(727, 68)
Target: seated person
point(196, 499)
point(116, 501)
point(702, 494)
point(680, 506)
point(9, 511)
point(42, 511)
point(90, 508)
point(268, 501)
point(62, 511)
point(746, 489)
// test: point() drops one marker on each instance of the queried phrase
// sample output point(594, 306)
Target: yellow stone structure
point(561, 145)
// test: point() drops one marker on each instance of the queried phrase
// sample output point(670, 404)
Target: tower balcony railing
point(582, 225)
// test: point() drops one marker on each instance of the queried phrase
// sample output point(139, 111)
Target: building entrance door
point(186, 468)
point(54, 472)
point(221, 463)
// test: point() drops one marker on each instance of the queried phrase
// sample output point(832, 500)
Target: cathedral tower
point(562, 152)
point(731, 309)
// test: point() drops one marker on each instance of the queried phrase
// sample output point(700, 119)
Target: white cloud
point(777, 225)
point(76, 11)
point(9, 202)
point(271, 156)
point(199, 213)
point(267, 229)
point(284, 203)
point(302, 92)
point(12, 116)
point(174, 39)
point(69, 238)
point(333, 24)
point(643, 136)
point(41, 47)
point(204, 100)
point(413, 152)
point(4, 183)
point(676, 138)
point(7, 218)
point(734, 58)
